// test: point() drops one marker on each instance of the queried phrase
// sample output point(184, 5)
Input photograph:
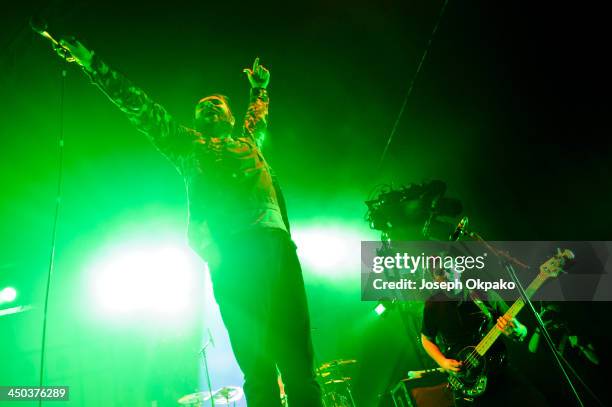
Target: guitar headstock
point(555, 265)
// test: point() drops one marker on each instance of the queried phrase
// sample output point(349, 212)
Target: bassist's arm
point(436, 354)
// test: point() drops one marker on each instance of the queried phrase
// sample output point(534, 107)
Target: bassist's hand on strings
point(450, 365)
point(512, 328)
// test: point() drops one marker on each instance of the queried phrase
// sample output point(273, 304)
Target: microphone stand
point(508, 262)
point(203, 352)
point(55, 224)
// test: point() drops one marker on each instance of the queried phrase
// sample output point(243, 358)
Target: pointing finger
point(256, 63)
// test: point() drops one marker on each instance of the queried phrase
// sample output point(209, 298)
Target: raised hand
point(258, 76)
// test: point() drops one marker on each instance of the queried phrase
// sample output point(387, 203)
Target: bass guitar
point(471, 381)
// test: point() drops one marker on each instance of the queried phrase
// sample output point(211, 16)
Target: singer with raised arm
point(237, 223)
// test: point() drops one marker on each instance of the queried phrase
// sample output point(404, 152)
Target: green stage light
point(9, 294)
point(380, 309)
point(330, 249)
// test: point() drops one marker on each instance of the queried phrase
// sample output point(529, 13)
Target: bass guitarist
point(452, 321)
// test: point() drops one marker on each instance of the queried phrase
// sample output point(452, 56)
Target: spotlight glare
point(8, 295)
point(145, 279)
point(329, 249)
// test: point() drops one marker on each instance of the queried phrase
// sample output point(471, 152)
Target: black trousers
point(258, 285)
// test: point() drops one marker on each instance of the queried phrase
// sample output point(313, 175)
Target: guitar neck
point(490, 338)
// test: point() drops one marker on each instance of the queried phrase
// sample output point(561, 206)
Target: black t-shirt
point(454, 324)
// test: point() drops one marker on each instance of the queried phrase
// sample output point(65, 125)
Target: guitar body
point(474, 376)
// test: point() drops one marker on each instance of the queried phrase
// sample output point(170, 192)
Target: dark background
point(511, 109)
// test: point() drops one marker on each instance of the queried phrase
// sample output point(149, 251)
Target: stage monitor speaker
point(413, 395)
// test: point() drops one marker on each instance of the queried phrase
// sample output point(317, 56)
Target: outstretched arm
point(255, 123)
point(173, 140)
point(256, 120)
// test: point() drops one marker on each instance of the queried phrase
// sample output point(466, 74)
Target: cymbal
point(228, 394)
point(338, 381)
point(336, 363)
point(194, 398)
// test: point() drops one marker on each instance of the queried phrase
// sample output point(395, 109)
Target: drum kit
point(225, 396)
point(336, 383)
point(332, 376)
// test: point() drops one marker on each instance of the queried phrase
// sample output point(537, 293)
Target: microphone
point(459, 231)
point(210, 341)
point(210, 338)
point(39, 26)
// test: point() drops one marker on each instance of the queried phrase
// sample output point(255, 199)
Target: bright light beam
point(141, 280)
point(330, 249)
